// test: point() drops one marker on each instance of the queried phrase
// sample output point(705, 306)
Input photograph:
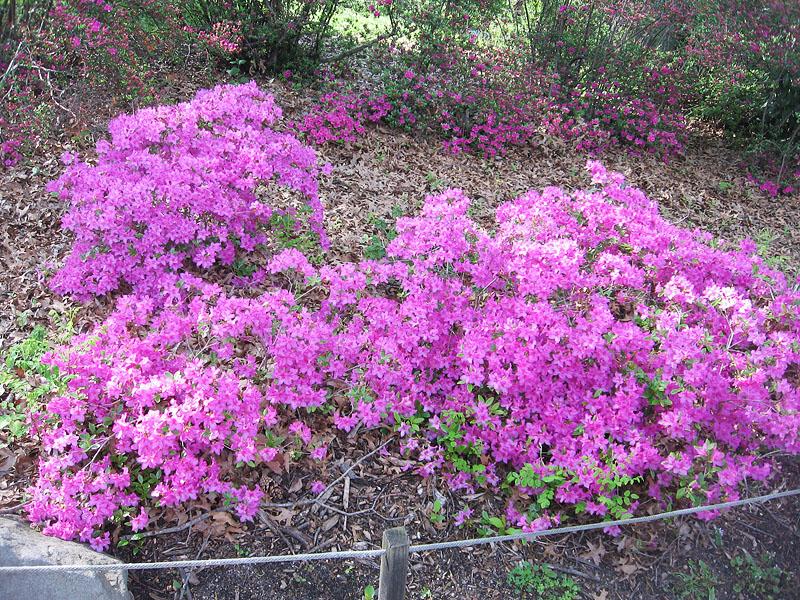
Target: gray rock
point(21, 545)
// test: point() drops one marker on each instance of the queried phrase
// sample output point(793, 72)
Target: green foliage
point(546, 485)
point(384, 233)
point(237, 69)
point(285, 33)
point(288, 231)
point(142, 480)
point(465, 457)
point(542, 582)
point(243, 268)
point(698, 584)
point(135, 541)
point(436, 517)
point(617, 495)
point(765, 242)
point(369, 592)
point(492, 525)
point(24, 382)
point(757, 577)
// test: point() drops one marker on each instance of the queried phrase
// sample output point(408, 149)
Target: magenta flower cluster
point(584, 348)
point(224, 36)
point(193, 184)
point(485, 102)
point(341, 117)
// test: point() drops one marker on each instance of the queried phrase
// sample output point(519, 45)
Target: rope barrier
point(602, 525)
point(188, 564)
point(354, 554)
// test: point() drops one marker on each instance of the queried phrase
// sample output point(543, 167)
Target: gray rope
point(601, 525)
point(351, 554)
point(187, 564)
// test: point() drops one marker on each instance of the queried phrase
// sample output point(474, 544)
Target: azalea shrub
point(582, 357)
point(488, 100)
point(482, 102)
point(747, 64)
point(50, 50)
point(199, 183)
point(598, 74)
point(341, 117)
point(483, 75)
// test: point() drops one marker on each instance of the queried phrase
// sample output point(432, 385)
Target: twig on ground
point(267, 520)
point(176, 529)
point(186, 574)
point(574, 572)
point(316, 500)
point(13, 510)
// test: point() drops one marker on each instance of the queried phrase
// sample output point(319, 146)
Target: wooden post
point(394, 564)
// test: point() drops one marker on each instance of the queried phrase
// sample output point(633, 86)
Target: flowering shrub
point(340, 117)
point(746, 62)
point(223, 36)
point(49, 48)
point(10, 146)
point(584, 354)
point(178, 183)
point(575, 71)
point(605, 112)
point(481, 100)
point(599, 73)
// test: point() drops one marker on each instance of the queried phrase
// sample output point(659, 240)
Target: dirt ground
point(684, 558)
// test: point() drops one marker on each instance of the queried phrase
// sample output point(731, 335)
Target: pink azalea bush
point(178, 184)
point(341, 117)
point(598, 74)
point(583, 356)
point(488, 101)
point(225, 36)
point(485, 101)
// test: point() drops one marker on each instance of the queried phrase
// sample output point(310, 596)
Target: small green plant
point(526, 477)
point(435, 183)
point(369, 592)
point(725, 186)
point(288, 231)
point(464, 456)
point(243, 268)
point(237, 69)
point(135, 541)
point(384, 234)
point(698, 584)
point(765, 243)
point(542, 582)
point(492, 525)
point(436, 515)
point(757, 577)
point(24, 381)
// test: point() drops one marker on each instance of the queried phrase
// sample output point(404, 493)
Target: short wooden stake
point(394, 564)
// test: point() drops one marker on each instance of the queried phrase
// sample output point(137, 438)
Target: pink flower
point(319, 453)
point(140, 521)
point(462, 516)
